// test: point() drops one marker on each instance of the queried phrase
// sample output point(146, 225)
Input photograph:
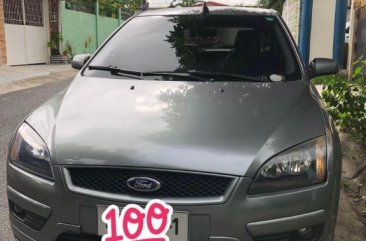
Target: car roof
point(213, 11)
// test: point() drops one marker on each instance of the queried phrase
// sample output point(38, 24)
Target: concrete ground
point(16, 73)
point(13, 78)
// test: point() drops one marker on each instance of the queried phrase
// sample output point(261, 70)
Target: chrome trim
point(134, 199)
point(156, 182)
point(286, 224)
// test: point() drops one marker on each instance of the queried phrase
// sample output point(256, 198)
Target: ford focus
point(209, 109)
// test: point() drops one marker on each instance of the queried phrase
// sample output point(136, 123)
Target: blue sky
point(163, 3)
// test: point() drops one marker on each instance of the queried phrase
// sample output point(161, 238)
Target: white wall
point(322, 29)
point(291, 15)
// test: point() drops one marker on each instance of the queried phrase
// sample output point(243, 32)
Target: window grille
point(33, 12)
point(31, 15)
point(13, 12)
point(53, 5)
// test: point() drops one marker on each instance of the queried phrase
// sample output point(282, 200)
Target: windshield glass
point(247, 45)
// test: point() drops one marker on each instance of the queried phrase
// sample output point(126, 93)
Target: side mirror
point(322, 66)
point(80, 60)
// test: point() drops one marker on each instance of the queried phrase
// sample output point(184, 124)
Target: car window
point(250, 45)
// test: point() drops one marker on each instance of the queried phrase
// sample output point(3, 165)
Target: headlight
point(30, 153)
point(300, 166)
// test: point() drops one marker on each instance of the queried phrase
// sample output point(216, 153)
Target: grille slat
point(173, 184)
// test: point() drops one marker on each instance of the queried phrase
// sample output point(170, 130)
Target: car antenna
point(204, 9)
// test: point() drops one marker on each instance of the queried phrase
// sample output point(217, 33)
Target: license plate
point(178, 230)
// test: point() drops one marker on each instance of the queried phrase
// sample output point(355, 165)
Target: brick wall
point(2, 36)
point(54, 15)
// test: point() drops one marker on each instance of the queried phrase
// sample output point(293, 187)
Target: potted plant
point(54, 43)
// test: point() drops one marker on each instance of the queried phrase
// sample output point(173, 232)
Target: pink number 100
point(137, 224)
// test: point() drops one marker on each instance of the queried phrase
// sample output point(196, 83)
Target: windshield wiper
point(175, 74)
point(117, 71)
point(234, 76)
point(193, 74)
point(139, 75)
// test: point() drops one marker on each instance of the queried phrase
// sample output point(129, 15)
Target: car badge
point(143, 184)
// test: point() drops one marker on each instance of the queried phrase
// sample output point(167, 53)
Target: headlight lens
point(30, 153)
point(301, 166)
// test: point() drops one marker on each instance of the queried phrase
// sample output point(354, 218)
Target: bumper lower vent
point(26, 217)
point(304, 234)
point(78, 237)
point(173, 184)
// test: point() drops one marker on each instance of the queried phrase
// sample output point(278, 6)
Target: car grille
point(173, 184)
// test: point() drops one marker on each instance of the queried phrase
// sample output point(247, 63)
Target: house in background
point(23, 31)
point(27, 26)
point(318, 26)
point(85, 24)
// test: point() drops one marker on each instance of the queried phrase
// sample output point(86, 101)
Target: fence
point(360, 43)
point(83, 28)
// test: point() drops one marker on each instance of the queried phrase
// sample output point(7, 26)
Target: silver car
point(209, 109)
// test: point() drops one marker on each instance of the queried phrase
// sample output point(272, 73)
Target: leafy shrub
point(320, 80)
point(345, 101)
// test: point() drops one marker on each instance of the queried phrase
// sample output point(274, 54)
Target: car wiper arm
point(174, 74)
point(117, 71)
point(139, 75)
point(237, 76)
point(193, 74)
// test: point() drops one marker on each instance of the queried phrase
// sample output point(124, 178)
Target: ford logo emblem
point(143, 184)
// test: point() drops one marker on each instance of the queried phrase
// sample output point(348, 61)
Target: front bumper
point(240, 218)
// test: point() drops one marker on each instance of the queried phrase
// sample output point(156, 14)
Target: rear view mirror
point(322, 66)
point(80, 60)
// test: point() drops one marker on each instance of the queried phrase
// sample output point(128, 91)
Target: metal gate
point(25, 32)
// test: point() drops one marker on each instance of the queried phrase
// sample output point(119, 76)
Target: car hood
point(217, 127)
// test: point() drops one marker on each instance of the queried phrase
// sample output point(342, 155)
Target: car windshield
point(241, 45)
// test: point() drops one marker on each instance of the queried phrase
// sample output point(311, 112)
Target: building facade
point(318, 27)
point(25, 29)
point(31, 31)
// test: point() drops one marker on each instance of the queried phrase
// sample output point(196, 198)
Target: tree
point(183, 3)
point(130, 5)
point(109, 8)
point(274, 4)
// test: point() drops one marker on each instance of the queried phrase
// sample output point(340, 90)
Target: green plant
point(183, 3)
point(320, 80)
point(274, 4)
point(68, 49)
point(55, 39)
point(109, 8)
point(130, 6)
point(87, 43)
point(346, 101)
